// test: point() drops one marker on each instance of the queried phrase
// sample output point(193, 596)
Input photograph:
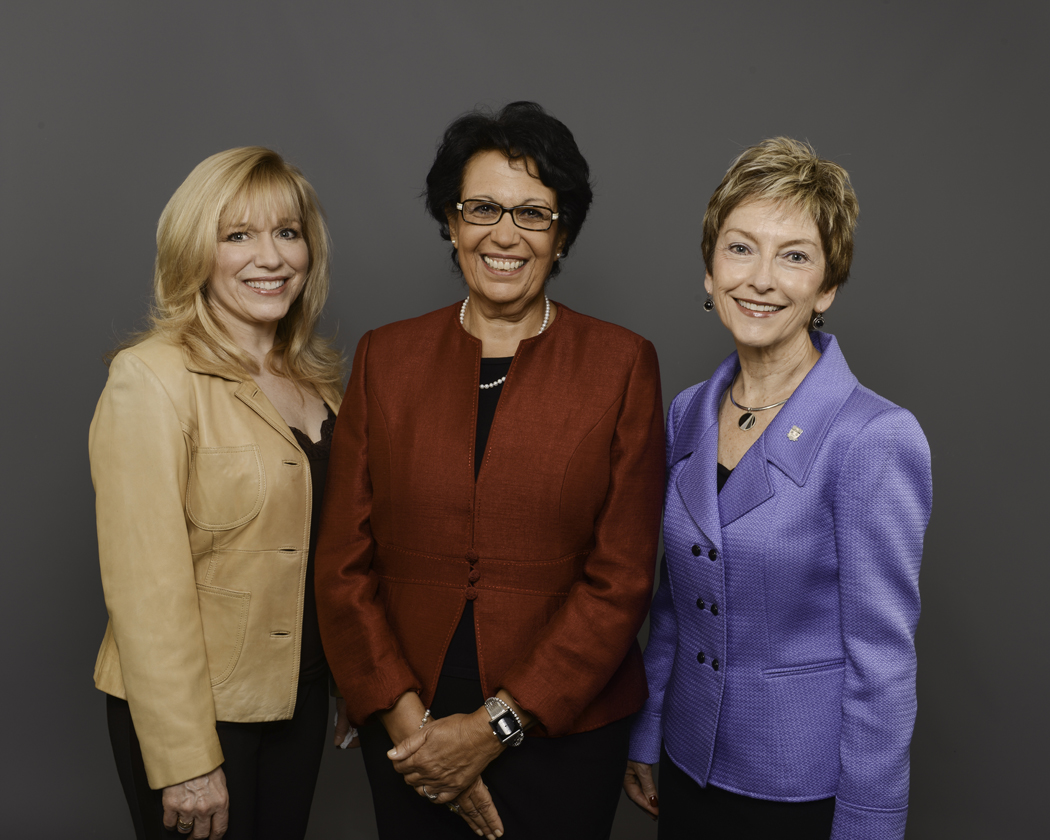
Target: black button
point(700, 603)
point(696, 551)
point(714, 608)
point(700, 657)
point(713, 554)
point(714, 664)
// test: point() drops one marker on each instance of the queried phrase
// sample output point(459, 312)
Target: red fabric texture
point(555, 543)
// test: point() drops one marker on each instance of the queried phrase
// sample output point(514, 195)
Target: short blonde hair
point(216, 194)
point(786, 170)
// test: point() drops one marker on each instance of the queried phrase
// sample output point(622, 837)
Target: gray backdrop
point(937, 110)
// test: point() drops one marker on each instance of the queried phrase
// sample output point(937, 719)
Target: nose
point(764, 278)
point(267, 254)
point(505, 232)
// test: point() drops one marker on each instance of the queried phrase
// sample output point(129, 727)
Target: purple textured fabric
point(781, 657)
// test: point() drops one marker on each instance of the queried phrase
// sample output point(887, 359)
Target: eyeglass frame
point(504, 210)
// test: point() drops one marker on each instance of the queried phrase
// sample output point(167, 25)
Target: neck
point(502, 328)
point(257, 343)
point(767, 377)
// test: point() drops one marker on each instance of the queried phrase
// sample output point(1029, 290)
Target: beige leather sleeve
point(139, 465)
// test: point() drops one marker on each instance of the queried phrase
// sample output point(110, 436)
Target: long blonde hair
point(217, 192)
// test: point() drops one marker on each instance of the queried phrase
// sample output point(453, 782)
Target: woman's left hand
point(448, 755)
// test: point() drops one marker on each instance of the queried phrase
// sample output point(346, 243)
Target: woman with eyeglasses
point(781, 656)
point(491, 516)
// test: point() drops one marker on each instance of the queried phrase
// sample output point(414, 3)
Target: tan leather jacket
point(203, 502)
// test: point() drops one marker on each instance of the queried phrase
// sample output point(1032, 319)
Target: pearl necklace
point(543, 326)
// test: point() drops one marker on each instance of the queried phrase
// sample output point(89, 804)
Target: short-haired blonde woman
point(781, 658)
point(209, 451)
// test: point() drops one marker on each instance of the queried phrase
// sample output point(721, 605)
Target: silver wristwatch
point(506, 725)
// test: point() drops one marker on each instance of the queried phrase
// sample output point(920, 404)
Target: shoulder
point(594, 330)
point(157, 354)
point(413, 331)
point(865, 414)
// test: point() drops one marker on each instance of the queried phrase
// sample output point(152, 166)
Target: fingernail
point(392, 753)
point(654, 801)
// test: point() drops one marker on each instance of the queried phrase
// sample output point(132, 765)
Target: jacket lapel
point(252, 396)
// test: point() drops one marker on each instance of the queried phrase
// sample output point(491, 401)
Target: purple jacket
point(781, 657)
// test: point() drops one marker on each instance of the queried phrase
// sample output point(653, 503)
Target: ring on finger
point(430, 796)
point(185, 827)
point(453, 807)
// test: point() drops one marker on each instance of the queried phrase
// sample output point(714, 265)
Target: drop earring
point(818, 320)
point(709, 304)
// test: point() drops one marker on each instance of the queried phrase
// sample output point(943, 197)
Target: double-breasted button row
point(701, 604)
point(701, 657)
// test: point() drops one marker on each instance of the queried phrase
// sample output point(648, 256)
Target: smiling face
point(504, 265)
point(261, 264)
point(766, 273)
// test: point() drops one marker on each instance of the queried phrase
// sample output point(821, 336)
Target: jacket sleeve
point(882, 507)
point(647, 729)
point(139, 466)
point(366, 660)
point(576, 654)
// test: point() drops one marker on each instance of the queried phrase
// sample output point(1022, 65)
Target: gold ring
point(185, 827)
point(453, 807)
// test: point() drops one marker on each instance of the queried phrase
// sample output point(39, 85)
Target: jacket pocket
point(803, 670)
point(224, 616)
point(226, 487)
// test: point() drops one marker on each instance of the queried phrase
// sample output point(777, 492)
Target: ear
point(559, 242)
point(823, 303)
point(707, 282)
point(453, 227)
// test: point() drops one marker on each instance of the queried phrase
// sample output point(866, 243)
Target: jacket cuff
point(855, 823)
point(646, 739)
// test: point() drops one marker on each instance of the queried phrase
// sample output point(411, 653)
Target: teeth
point(759, 307)
point(503, 265)
point(265, 285)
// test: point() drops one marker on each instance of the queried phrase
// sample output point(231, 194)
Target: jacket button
point(713, 554)
point(714, 608)
point(696, 551)
point(700, 603)
point(472, 593)
point(714, 664)
point(700, 657)
point(474, 576)
point(472, 556)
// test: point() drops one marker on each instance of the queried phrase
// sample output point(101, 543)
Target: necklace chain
point(747, 419)
point(543, 326)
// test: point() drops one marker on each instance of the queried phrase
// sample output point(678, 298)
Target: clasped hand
point(445, 759)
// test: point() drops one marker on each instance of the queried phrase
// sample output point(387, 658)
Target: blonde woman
point(209, 450)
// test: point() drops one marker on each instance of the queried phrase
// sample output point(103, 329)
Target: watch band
point(505, 723)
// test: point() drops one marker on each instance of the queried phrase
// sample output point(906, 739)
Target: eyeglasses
point(525, 216)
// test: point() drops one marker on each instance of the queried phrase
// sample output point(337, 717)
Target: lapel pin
point(794, 433)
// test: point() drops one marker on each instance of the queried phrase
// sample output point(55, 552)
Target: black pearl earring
point(818, 320)
point(709, 304)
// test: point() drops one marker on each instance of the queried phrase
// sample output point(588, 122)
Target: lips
point(498, 264)
point(758, 307)
point(265, 285)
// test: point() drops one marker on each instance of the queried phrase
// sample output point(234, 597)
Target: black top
point(461, 659)
point(723, 476)
point(312, 663)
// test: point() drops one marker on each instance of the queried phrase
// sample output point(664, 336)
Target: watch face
point(504, 727)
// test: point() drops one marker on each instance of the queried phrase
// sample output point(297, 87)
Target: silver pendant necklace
point(543, 326)
point(747, 419)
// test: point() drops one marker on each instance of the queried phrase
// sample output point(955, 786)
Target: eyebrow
point(787, 244)
point(528, 202)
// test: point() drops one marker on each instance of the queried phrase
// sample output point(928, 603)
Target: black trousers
point(544, 789)
point(271, 770)
point(688, 811)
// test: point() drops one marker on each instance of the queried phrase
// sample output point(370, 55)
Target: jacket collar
point(811, 410)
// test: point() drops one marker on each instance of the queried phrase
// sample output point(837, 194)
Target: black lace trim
point(319, 449)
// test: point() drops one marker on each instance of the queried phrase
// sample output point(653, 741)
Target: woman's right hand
point(640, 788)
point(200, 806)
point(476, 807)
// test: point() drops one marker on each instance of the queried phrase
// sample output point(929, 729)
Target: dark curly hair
point(519, 130)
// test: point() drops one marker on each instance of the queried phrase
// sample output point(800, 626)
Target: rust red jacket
point(555, 543)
